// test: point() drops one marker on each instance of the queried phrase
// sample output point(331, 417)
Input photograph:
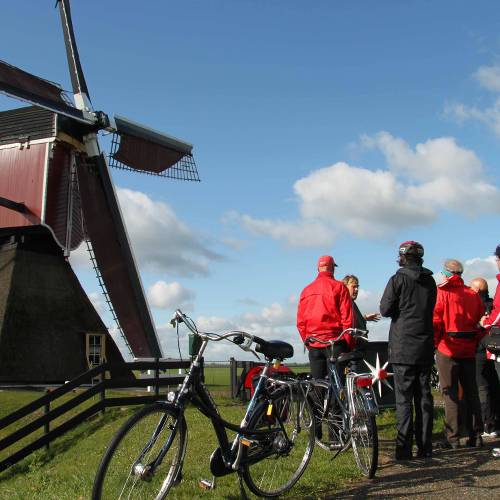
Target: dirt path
point(450, 474)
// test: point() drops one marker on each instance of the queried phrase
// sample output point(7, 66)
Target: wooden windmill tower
point(55, 192)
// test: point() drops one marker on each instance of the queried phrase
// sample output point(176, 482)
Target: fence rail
point(107, 381)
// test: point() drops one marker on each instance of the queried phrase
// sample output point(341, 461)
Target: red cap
point(326, 261)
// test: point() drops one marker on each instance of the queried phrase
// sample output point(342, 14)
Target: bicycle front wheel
point(364, 436)
point(273, 464)
point(144, 458)
point(331, 433)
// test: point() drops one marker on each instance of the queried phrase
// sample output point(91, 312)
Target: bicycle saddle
point(274, 349)
point(348, 356)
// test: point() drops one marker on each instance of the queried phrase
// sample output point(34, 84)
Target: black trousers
point(487, 386)
point(413, 391)
point(453, 371)
point(318, 360)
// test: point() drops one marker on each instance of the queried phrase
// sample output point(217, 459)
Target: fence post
point(103, 392)
point(46, 427)
point(232, 376)
point(157, 376)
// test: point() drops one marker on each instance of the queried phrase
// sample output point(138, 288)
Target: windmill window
point(96, 348)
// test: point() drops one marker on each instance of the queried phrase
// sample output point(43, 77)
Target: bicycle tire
point(120, 476)
point(284, 464)
point(364, 436)
point(331, 433)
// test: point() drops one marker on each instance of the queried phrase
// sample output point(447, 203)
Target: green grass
point(67, 470)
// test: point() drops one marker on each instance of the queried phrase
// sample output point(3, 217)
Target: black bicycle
point(345, 413)
point(271, 450)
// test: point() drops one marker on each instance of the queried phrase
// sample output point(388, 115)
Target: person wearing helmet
point(409, 299)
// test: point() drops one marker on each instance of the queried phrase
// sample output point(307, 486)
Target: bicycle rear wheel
point(273, 464)
point(331, 433)
point(364, 436)
point(126, 469)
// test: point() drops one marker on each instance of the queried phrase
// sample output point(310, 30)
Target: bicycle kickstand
point(243, 493)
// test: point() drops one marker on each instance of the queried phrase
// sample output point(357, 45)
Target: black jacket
point(409, 299)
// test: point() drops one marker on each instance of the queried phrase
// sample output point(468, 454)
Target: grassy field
point(67, 470)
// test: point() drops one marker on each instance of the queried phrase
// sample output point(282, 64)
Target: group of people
point(450, 323)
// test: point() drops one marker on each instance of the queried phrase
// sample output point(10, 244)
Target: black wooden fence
point(101, 372)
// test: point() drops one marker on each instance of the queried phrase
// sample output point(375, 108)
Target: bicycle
point(346, 413)
point(270, 452)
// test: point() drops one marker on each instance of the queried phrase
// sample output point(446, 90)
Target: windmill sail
point(140, 148)
point(30, 88)
point(105, 228)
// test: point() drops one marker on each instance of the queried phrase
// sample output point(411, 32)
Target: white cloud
point(80, 257)
point(489, 77)
point(99, 303)
point(161, 241)
point(414, 187)
point(299, 233)
point(360, 201)
point(489, 116)
point(479, 267)
point(170, 296)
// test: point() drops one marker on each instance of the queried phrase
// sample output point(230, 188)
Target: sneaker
point(492, 434)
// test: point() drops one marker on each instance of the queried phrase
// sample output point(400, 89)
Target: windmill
point(56, 191)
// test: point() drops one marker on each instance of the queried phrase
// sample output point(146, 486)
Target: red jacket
point(456, 319)
point(494, 317)
point(325, 309)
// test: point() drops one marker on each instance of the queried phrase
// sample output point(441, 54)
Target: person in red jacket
point(457, 332)
point(324, 311)
point(492, 319)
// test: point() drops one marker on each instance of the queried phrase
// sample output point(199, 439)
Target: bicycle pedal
point(206, 484)
point(247, 442)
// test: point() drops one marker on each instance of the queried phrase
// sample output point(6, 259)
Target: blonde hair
point(348, 278)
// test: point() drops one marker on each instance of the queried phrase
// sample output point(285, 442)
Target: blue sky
point(319, 127)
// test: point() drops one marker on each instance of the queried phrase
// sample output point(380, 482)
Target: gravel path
point(449, 474)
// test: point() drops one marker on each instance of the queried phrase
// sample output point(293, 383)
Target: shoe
point(424, 454)
point(493, 434)
point(475, 442)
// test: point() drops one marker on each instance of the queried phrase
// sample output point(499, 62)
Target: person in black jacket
point(409, 299)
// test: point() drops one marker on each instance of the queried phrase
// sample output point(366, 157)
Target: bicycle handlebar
point(355, 332)
point(240, 338)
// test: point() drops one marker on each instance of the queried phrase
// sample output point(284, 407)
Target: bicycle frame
point(193, 390)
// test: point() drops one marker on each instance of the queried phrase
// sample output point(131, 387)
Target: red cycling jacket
point(456, 319)
point(325, 309)
point(493, 318)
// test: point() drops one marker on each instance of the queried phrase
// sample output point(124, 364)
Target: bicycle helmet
point(411, 248)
